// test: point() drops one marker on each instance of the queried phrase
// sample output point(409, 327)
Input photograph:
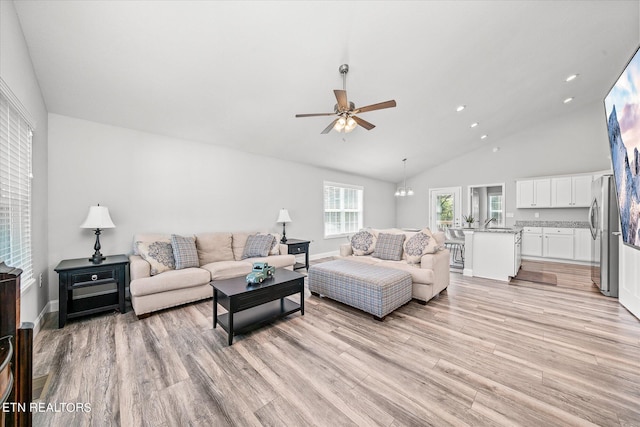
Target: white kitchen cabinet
point(494, 255)
point(582, 191)
point(533, 193)
point(557, 243)
point(571, 191)
point(582, 244)
point(532, 241)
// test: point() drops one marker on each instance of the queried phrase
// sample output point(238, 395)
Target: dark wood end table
point(251, 306)
point(81, 273)
point(299, 247)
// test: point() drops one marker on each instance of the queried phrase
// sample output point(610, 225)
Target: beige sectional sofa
point(430, 276)
point(219, 257)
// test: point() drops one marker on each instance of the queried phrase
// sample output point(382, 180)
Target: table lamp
point(97, 219)
point(284, 218)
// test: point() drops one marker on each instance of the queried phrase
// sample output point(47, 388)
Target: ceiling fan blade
point(328, 128)
point(341, 96)
point(378, 106)
point(315, 114)
point(365, 124)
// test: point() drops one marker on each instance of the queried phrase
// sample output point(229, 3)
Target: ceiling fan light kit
point(346, 111)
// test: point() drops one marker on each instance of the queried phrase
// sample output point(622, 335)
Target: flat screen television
point(622, 107)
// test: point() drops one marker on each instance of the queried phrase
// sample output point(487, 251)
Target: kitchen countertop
point(508, 230)
point(555, 224)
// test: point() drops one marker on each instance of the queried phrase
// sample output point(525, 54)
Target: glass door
point(445, 208)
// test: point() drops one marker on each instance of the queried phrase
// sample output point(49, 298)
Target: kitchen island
point(493, 253)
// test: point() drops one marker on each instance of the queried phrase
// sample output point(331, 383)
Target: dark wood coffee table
point(251, 306)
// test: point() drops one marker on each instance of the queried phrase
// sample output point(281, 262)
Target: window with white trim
point(495, 207)
point(342, 209)
point(15, 190)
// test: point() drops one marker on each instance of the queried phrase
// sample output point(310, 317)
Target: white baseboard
point(50, 307)
point(557, 260)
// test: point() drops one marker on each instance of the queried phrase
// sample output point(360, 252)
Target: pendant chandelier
point(404, 190)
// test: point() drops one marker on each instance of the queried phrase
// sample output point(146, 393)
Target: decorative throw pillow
point(389, 246)
point(158, 254)
point(185, 252)
point(258, 245)
point(363, 243)
point(275, 246)
point(419, 244)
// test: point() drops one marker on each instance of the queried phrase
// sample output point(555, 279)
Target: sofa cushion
point(363, 243)
point(149, 238)
point(169, 280)
point(158, 254)
point(420, 244)
point(275, 246)
point(389, 246)
point(418, 275)
point(257, 245)
point(185, 253)
point(440, 238)
point(278, 261)
point(220, 270)
point(214, 247)
point(377, 232)
point(238, 243)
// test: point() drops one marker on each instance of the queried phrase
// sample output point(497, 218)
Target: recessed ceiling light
point(568, 100)
point(571, 77)
point(460, 108)
point(474, 124)
point(483, 137)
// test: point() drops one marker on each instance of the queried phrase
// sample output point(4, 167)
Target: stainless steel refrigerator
point(605, 228)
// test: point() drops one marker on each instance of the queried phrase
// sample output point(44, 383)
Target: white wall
point(153, 183)
point(575, 143)
point(17, 71)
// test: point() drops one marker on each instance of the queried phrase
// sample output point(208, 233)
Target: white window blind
point(342, 209)
point(15, 190)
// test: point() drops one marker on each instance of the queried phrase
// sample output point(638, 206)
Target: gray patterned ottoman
point(376, 290)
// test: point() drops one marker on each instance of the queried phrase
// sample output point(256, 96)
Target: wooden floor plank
point(484, 353)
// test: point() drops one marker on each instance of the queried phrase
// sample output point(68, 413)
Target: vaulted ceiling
point(235, 73)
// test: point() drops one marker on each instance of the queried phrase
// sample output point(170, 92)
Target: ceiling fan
point(346, 111)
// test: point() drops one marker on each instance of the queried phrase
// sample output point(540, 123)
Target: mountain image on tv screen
point(622, 106)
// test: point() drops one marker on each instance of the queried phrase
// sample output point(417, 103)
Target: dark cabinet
point(299, 247)
point(75, 274)
point(16, 352)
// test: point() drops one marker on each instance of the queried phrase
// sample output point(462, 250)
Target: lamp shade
point(98, 217)
point(283, 216)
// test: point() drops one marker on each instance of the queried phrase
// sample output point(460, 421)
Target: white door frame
point(504, 203)
point(457, 205)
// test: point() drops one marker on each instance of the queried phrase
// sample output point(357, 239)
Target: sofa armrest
point(138, 267)
point(439, 263)
point(346, 250)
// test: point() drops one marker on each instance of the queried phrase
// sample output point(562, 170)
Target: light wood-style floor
point(484, 353)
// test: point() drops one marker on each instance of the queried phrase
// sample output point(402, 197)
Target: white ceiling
point(236, 73)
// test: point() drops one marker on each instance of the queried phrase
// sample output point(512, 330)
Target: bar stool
point(455, 244)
